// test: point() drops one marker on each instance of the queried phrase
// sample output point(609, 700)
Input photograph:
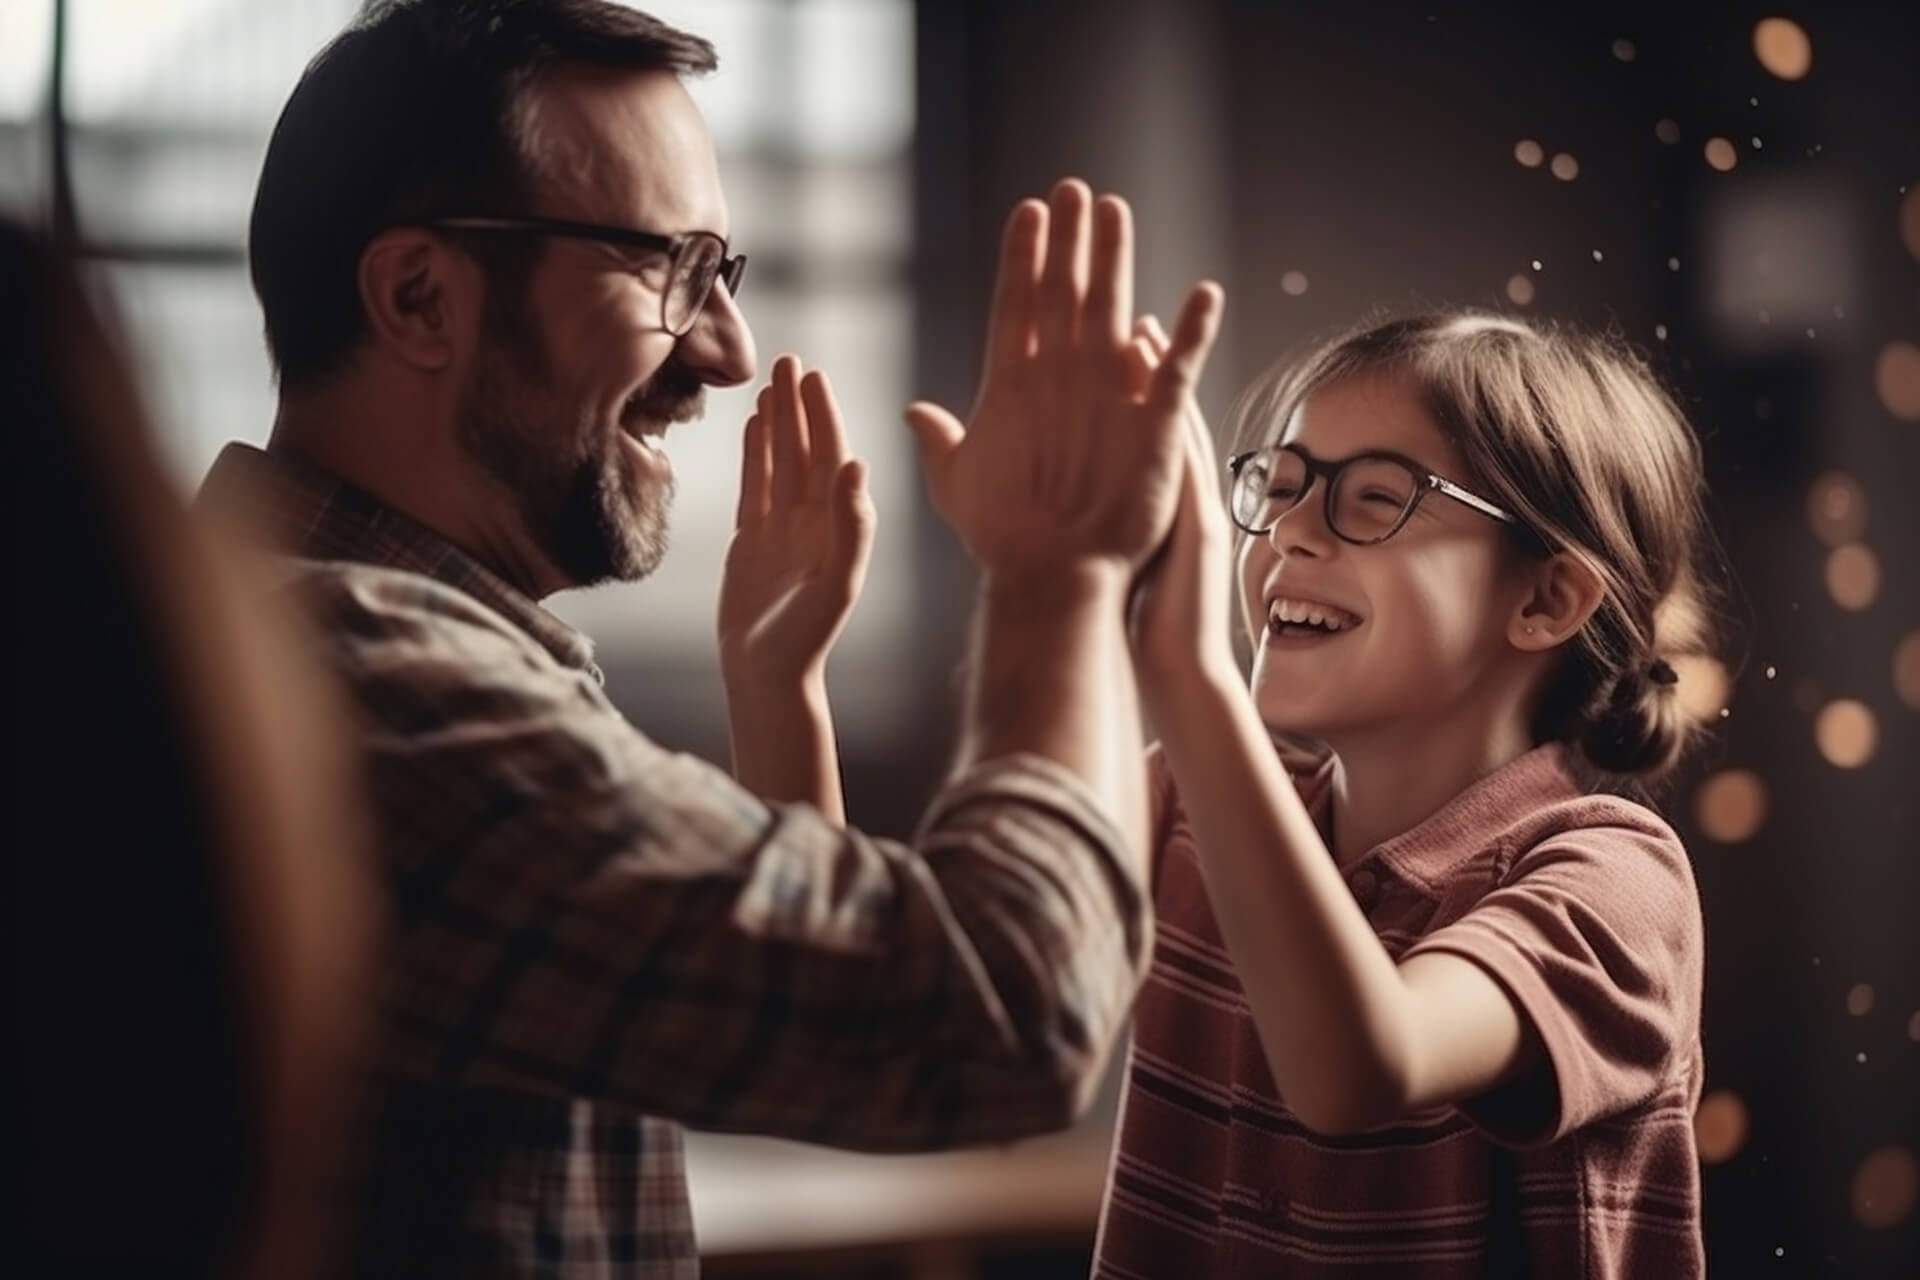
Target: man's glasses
point(1369, 497)
point(693, 259)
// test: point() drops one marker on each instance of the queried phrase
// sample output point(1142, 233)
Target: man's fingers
point(826, 435)
point(1063, 280)
point(1010, 326)
point(938, 434)
point(1109, 312)
point(851, 541)
point(789, 426)
point(756, 474)
point(1186, 355)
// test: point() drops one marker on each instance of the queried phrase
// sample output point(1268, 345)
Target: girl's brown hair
point(1572, 432)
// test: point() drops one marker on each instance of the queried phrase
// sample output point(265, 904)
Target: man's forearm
point(1051, 676)
point(783, 744)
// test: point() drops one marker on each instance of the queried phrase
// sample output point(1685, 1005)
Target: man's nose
point(718, 349)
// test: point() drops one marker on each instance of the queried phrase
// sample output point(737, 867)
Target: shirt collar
point(1481, 815)
point(306, 511)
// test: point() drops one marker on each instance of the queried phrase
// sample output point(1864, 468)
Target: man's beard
point(580, 498)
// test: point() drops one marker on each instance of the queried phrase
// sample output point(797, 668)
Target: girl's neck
point(1390, 781)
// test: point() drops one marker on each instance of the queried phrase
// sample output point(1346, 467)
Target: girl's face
point(1422, 617)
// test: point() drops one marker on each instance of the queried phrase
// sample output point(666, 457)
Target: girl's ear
point(1563, 594)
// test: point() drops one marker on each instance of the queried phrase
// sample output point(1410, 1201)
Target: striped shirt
point(1583, 907)
point(593, 940)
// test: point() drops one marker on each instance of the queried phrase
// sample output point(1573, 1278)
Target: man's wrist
point(1050, 588)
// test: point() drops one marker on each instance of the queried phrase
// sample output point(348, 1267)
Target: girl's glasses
point(1368, 496)
point(693, 259)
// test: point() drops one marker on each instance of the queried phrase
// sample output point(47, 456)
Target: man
point(490, 244)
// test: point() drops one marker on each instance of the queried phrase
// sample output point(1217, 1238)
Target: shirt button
point(1366, 888)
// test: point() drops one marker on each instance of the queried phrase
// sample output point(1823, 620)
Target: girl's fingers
point(1175, 381)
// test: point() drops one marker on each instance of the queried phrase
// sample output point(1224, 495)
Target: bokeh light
point(1529, 153)
point(1910, 220)
point(1884, 1188)
point(1913, 1027)
point(1853, 576)
point(1293, 283)
point(1846, 733)
point(1704, 685)
point(1669, 132)
point(1896, 376)
point(1837, 509)
point(1906, 669)
point(1783, 48)
point(1731, 806)
point(1565, 167)
point(1860, 999)
point(1520, 290)
point(1624, 50)
point(1720, 1126)
point(1721, 154)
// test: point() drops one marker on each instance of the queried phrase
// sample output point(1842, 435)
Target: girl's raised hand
point(801, 539)
point(1180, 616)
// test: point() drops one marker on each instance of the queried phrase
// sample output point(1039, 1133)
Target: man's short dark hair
point(409, 112)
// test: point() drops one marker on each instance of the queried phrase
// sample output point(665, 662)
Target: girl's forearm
point(1327, 1000)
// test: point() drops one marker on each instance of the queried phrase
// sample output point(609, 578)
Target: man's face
point(576, 383)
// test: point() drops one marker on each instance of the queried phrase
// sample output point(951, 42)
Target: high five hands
point(1074, 452)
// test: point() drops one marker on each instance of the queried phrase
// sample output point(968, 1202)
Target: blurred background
point(1732, 187)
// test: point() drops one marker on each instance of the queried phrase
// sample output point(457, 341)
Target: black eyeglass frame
point(1327, 472)
point(731, 270)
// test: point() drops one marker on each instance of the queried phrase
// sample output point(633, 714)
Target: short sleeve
point(1595, 935)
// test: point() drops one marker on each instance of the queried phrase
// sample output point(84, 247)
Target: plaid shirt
point(588, 932)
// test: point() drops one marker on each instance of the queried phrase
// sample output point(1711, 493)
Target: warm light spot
point(1667, 131)
point(1703, 686)
point(1837, 509)
point(1906, 669)
point(1853, 576)
point(1623, 50)
point(1520, 290)
point(1913, 1027)
point(1846, 733)
point(1660, 332)
point(1884, 1188)
point(1673, 264)
point(1529, 153)
point(1783, 48)
point(1860, 999)
point(1720, 1126)
point(1731, 806)
point(1565, 167)
point(1721, 154)
point(1910, 220)
point(1294, 283)
point(1896, 375)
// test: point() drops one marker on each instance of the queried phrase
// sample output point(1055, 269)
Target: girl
point(1426, 994)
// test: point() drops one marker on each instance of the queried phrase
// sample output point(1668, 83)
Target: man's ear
point(1563, 593)
point(422, 300)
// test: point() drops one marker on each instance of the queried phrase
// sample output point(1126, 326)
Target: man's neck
point(395, 454)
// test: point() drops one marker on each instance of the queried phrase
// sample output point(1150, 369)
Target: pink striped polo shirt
point(1584, 908)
